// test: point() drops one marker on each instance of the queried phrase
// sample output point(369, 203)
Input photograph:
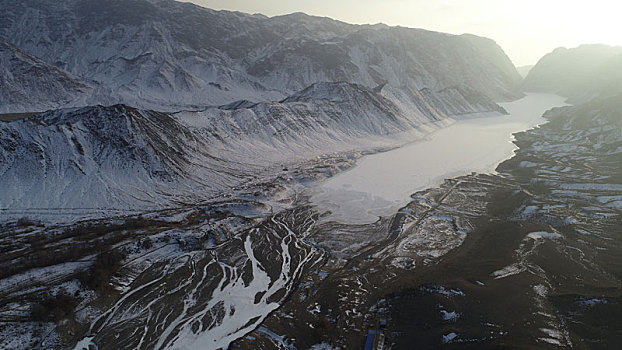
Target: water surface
point(381, 183)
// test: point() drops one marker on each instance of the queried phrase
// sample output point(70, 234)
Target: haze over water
point(381, 183)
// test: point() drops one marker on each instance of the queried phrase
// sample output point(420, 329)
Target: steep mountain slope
point(121, 157)
point(169, 55)
point(498, 66)
point(29, 84)
point(580, 73)
point(524, 70)
point(93, 157)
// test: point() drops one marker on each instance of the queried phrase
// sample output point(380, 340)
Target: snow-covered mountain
point(581, 73)
point(341, 87)
point(524, 70)
point(122, 157)
point(167, 55)
point(29, 84)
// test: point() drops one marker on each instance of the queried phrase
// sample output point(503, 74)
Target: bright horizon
point(526, 30)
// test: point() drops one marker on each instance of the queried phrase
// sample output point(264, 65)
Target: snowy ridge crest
point(123, 157)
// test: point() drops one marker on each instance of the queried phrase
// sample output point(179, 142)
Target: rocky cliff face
point(580, 73)
point(168, 55)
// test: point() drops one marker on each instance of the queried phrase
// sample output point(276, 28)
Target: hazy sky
point(526, 29)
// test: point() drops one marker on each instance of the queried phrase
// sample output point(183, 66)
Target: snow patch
point(448, 338)
point(542, 235)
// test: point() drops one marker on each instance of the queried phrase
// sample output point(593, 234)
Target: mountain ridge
point(124, 157)
point(168, 56)
point(581, 73)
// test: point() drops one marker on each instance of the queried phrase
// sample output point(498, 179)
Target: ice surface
point(381, 183)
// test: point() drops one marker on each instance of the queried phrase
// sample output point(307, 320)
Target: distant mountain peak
point(580, 73)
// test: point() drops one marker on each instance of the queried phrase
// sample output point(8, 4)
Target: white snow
point(403, 262)
point(541, 290)
point(86, 344)
point(234, 294)
point(554, 336)
point(443, 291)
point(278, 339)
point(540, 235)
point(507, 271)
point(449, 316)
point(449, 337)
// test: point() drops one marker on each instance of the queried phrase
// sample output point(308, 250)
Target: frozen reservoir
point(381, 183)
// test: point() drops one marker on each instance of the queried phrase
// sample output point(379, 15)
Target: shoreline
point(381, 183)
